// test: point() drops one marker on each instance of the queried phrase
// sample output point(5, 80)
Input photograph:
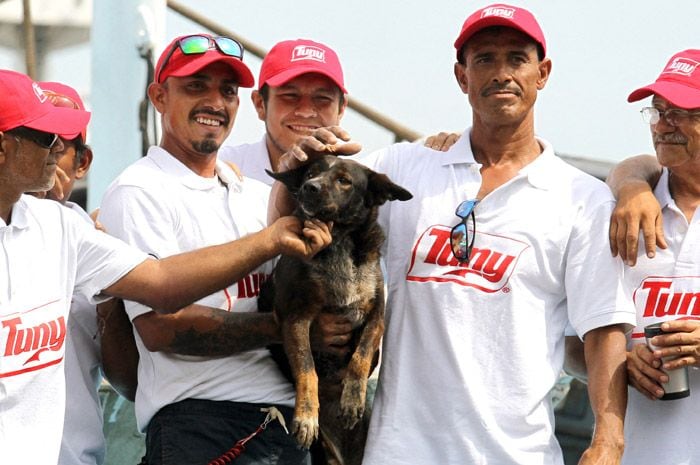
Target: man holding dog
point(204, 371)
point(49, 253)
point(475, 333)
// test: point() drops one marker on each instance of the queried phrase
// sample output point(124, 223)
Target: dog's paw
point(305, 430)
point(352, 402)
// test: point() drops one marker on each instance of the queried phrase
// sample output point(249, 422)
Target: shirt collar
point(460, 152)
point(20, 213)
point(542, 172)
point(189, 178)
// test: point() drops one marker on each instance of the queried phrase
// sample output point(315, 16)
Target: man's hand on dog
point(302, 241)
point(322, 141)
point(331, 333)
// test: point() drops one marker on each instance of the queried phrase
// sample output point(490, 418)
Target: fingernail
point(659, 393)
point(650, 254)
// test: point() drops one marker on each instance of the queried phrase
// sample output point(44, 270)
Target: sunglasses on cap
point(43, 139)
point(198, 44)
point(462, 244)
point(60, 100)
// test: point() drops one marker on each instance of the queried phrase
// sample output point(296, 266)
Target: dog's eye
point(343, 181)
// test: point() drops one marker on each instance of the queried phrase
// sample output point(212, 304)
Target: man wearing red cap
point(48, 254)
point(204, 372)
point(475, 327)
point(666, 283)
point(300, 89)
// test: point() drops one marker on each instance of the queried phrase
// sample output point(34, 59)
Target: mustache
point(210, 112)
point(497, 87)
point(670, 139)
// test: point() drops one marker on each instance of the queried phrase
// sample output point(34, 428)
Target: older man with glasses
point(475, 331)
point(665, 282)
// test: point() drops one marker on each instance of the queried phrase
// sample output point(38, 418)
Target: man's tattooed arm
point(205, 331)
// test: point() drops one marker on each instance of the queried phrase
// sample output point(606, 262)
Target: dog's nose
point(311, 187)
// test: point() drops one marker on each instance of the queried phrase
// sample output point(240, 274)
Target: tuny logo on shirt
point(501, 11)
point(31, 346)
point(308, 52)
point(249, 286)
point(660, 297)
point(489, 268)
point(681, 65)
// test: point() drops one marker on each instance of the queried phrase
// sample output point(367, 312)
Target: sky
point(398, 58)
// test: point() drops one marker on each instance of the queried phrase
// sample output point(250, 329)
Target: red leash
point(239, 447)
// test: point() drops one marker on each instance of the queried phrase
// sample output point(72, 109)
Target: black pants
point(194, 432)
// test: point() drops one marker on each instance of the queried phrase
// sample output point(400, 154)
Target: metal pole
point(121, 31)
point(29, 40)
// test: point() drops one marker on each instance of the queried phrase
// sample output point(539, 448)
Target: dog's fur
point(344, 279)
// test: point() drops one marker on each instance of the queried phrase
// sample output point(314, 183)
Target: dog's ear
point(292, 179)
point(381, 189)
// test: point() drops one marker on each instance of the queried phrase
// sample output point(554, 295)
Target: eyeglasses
point(43, 139)
point(196, 44)
point(675, 116)
point(461, 243)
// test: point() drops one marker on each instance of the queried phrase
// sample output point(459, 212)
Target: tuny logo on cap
point(39, 92)
point(501, 11)
point(681, 65)
point(308, 52)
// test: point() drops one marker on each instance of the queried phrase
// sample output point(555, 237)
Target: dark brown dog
point(344, 279)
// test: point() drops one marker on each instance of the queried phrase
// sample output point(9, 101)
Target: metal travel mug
point(678, 386)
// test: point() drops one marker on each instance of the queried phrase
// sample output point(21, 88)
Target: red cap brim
point(286, 76)
point(66, 122)
point(196, 62)
point(532, 30)
point(678, 94)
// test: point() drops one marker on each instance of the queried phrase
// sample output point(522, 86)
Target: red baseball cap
point(500, 14)
point(291, 58)
point(24, 103)
point(679, 82)
point(61, 95)
point(173, 62)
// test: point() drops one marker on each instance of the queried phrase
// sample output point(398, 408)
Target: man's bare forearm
point(607, 384)
point(120, 356)
point(235, 333)
point(205, 331)
point(171, 283)
point(641, 169)
point(189, 276)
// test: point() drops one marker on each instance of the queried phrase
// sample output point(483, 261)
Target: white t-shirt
point(164, 208)
point(471, 352)
point(83, 441)
point(666, 287)
point(48, 255)
point(252, 159)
